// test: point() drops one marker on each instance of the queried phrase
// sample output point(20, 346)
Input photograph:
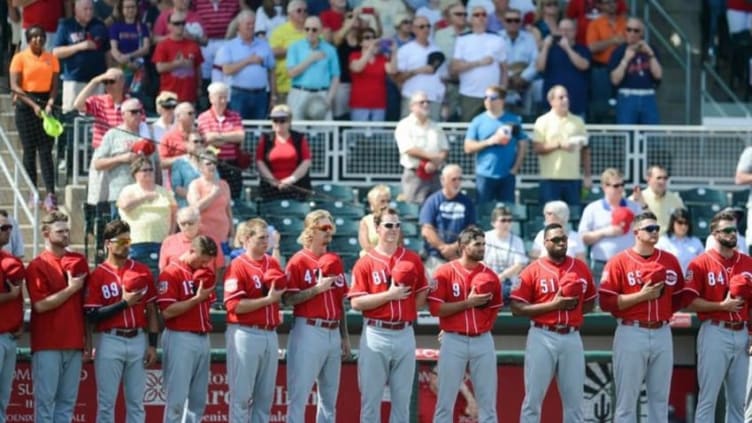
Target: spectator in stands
point(741, 241)
point(564, 62)
point(402, 36)
point(44, 13)
point(248, 65)
point(178, 60)
point(313, 66)
point(129, 42)
point(603, 226)
point(281, 39)
point(34, 82)
point(349, 44)
point(744, 177)
point(114, 156)
point(423, 148)
point(522, 54)
point(389, 13)
point(445, 38)
point(173, 143)
point(635, 72)
point(443, 216)
point(211, 196)
point(103, 108)
point(81, 43)
point(223, 128)
point(165, 104)
point(505, 251)
point(148, 208)
point(549, 15)
point(241, 235)
point(560, 141)
point(480, 60)
point(604, 34)
point(416, 73)
point(333, 19)
point(185, 167)
point(582, 12)
point(738, 16)
point(15, 245)
point(678, 239)
point(189, 223)
point(499, 143)
point(369, 69)
point(216, 16)
point(270, 15)
point(193, 23)
point(378, 198)
point(715, 9)
point(657, 197)
point(558, 212)
point(496, 10)
point(283, 159)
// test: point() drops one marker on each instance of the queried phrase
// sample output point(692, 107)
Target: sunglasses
point(146, 170)
point(391, 225)
point(177, 23)
point(479, 15)
point(461, 14)
point(197, 141)
point(681, 222)
point(513, 20)
point(325, 228)
point(121, 242)
point(505, 219)
point(6, 227)
point(209, 164)
point(311, 30)
point(620, 185)
point(367, 38)
point(728, 231)
point(635, 30)
point(551, 3)
point(423, 26)
point(168, 107)
point(187, 223)
point(301, 10)
point(493, 97)
point(279, 120)
point(558, 239)
point(108, 81)
point(135, 111)
point(650, 229)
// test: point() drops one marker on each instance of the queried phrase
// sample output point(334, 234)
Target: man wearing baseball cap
point(120, 299)
point(466, 300)
point(722, 341)
point(389, 285)
point(554, 292)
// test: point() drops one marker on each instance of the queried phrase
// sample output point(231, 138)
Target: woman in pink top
point(211, 196)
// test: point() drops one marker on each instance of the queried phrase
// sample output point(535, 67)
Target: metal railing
point(17, 179)
point(710, 76)
point(362, 153)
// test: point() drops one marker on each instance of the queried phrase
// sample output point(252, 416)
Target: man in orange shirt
point(604, 34)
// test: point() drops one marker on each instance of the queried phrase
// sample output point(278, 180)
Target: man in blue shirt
point(313, 66)
point(497, 139)
point(444, 214)
point(81, 43)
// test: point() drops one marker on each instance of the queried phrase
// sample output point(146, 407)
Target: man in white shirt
point(522, 53)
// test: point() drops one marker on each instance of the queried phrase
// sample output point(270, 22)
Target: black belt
point(729, 325)
point(310, 90)
point(123, 333)
point(250, 90)
point(560, 329)
point(653, 324)
point(388, 325)
point(198, 333)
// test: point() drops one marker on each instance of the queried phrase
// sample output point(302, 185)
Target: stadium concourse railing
point(363, 153)
point(19, 182)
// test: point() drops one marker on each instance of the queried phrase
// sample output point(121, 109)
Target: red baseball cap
point(144, 147)
point(421, 172)
point(206, 276)
point(331, 265)
point(571, 285)
point(13, 269)
point(135, 280)
point(652, 272)
point(622, 217)
point(276, 277)
point(486, 283)
point(405, 273)
point(739, 286)
point(74, 264)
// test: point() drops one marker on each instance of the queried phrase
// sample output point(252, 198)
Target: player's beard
point(728, 242)
point(557, 254)
point(122, 255)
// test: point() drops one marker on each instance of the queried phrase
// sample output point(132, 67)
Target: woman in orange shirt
point(33, 80)
point(211, 195)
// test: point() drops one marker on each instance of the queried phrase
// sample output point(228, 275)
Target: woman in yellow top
point(150, 211)
point(378, 198)
point(33, 80)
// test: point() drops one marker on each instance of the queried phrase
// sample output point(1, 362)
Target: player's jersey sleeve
point(168, 289)
point(360, 278)
point(524, 290)
point(234, 284)
point(94, 298)
point(610, 285)
point(442, 277)
point(295, 275)
point(422, 283)
point(583, 270)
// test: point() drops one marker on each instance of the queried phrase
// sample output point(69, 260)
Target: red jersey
point(106, 288)
point(12, 311)
point(244, 279)
point(539, 283)
point(739, 5)
point(622, 276)
point(453, 285)
point(61, 328)
point(45, 13)
point(181, 81)
point(302, 273)
point(208, 121)
point(175, 285)
point(371, 275)
point(708, 276)
point(216, 16)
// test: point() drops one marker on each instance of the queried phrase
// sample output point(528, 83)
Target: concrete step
point(6, 104)
point(7, 120)
point(15, 139)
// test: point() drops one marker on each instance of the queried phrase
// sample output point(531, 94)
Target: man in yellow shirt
point(281, 39)
point(560, 140)
point(657, 197)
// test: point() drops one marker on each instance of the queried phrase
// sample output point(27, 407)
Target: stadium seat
point(244, 210)
point(739, 198)
point(410, 229)
point(484, 210)
point(285, 208)
point(288, 245)
point(531, 228)
point(413, 243)
point(286, 225)
point(329, 192)
point(593, 194)
point(705, 196)
point(700, 227)
point(345, 245)
point(407, 211)
point(575, 212)
point(529, 195)
point(342, 208)
point(346, 226)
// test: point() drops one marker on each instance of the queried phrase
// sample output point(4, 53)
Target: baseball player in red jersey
point(185, 300)
point(642, 288)
point(252, 296)
point(554, 346)
point(120, 299)
point(722, 339)
point(389, 285)
point(318, 340)
point(12, 275)
point(466, 300)
point(57, 321)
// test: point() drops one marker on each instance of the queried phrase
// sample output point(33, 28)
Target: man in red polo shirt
point(466, 300)
point(172, 144)
point(389, 285)
point(178, 60)
point(120, 302)
point(642, 288)
point(556, 319)
point(55, 280)
point(184, 300)
point(318, 340)
point(12, 275)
